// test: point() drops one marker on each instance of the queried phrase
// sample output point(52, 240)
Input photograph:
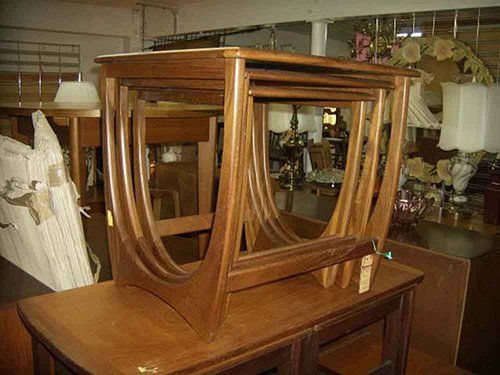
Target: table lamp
point(419, 115)
point(296, 120)
point(83, 93)
point(471, 123)
point(77, 92)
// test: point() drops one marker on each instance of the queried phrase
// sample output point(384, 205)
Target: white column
point(319, 36)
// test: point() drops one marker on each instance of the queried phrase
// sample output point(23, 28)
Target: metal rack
point(479, 28)
point(31, 71)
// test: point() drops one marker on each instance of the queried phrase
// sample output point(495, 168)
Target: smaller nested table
point(102, 329)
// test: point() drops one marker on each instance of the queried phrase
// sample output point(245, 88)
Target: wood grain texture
point(364, 195)
point(206, 177)
point(314, 79)
point(378, 225)
point(341, 217)
point(186, 224)
point(104, 337)
point(245, 195)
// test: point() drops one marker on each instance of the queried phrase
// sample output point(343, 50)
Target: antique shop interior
point(249, 187)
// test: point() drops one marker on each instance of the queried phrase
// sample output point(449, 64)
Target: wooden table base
point(103, 329)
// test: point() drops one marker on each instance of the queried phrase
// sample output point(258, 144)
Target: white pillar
point(319, 36)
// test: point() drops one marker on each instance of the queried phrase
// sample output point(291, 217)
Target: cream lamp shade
point(419, 115)
point(77, 92)
point(471, 117)
point(281, 114)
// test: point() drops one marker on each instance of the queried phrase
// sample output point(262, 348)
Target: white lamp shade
point(469, 121)
point(492, 139)
point(419, 115)
point(77, 92)
point(281, 114)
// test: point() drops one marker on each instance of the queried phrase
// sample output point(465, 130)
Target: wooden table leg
point(206, 169)
point(304, 357)
point(397, 334)
point(14, 131)
point(43, 362)
point(75, 153)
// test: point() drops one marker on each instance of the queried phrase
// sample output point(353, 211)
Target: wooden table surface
point(51, 109)
point(168, 122)
point(447, 240)
point(108, 329)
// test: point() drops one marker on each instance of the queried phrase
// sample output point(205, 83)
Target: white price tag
point(365, 273)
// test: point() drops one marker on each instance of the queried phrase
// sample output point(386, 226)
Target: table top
point(447, 240)
point(441, 238)
point(51, 109)
point(277, 57)
point(109, 329)
point(160, 109)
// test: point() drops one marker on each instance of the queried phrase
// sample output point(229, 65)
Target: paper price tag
point(365, 273)
point(367, 261)
point(109, 216)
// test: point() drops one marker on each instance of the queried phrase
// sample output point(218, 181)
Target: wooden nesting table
point(102, 329)
point(245, 308)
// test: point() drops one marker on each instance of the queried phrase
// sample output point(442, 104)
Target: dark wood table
point(103, 329)
point(458, 304)
point(15, 341)
point(79, 125)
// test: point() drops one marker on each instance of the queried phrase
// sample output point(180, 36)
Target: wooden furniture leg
point(397, 334)
point(206, 169)
point(75, 153)
point(14, 131)
point(379, 222)
point(43, 362)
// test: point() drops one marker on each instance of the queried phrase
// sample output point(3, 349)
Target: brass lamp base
point(291, 177)
point(291, 181)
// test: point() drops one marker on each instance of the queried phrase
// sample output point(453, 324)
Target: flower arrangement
point(412, 49)
point(428, 173)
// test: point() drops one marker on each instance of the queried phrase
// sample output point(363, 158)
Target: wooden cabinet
point(15, 341)
point(458, 304)
point(492, 199)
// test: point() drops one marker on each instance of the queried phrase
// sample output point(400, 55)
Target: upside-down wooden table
point(244, 81)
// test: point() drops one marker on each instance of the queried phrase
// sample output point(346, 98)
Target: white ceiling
point(133, 3)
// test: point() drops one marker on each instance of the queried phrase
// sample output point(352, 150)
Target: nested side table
point(244, 81)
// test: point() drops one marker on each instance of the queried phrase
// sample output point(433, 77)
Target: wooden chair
point(244, 81)
point(319, 154)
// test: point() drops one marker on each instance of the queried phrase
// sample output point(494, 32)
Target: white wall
point(300, 41)
point(213, 14)
point(97, 29)
point(90, 46)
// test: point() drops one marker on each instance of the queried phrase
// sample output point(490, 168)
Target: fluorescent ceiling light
point(413, 35)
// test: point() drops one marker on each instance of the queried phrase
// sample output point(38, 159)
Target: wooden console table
point(65, 114)
point(103, 329)
point(458, 304)
point(165, 123)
